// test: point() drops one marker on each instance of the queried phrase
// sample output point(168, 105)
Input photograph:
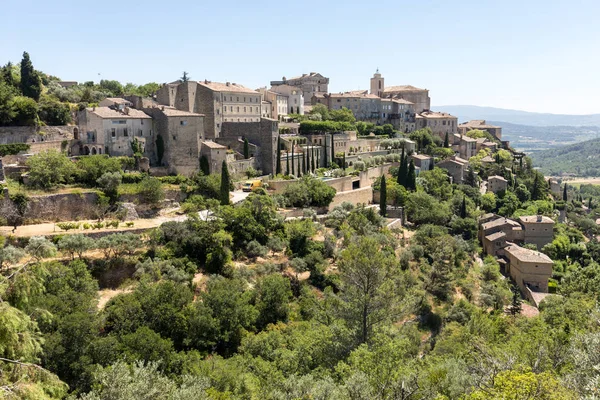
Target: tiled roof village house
point(311, 84)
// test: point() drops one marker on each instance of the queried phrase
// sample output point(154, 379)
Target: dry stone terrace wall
point(33, 134)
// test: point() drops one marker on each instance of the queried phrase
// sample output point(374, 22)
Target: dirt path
point(107, 294)
point(50, 228)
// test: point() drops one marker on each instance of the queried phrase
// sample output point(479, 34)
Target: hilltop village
point(210, 240)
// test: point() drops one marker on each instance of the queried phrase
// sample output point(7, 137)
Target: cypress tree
point(446, 141)
point(403, 170)
point(565, 193)
point(224, 194)
point(431, 165)
point(590, 203)
point(537, 192)
point(521, 162)
point(7, 75)
point(332, 149)
point(383, 197)
point(305, 161)
point(204, 165)
point(308, 151)
point(278, 166)
point(246, 149)
point(463, 208)
point(411, 179)
point(314, 162)
point(287, 164)
point(325, 152)
point(293, 172)
point(344, 161)
point(299, 166)
point(31, 84)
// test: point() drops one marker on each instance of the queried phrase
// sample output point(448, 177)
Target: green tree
point(564, 197)
point(204, 165)
point(24, 111)
point(150, 190)
point(463, 208)
point(39, 248)
point(293, 172)
point(31, 83)
point(49, 169)
point(246, 149)
point(184, 77)
point(411, 178)
point(446, 141)
point(75, 244)
point(91, 168)
point(273, 296)
point(368, 289)
point(109, 183)
point(225, 183)
point(383, 197)
point(7, 112)
point(53, 112)
point(278, 161)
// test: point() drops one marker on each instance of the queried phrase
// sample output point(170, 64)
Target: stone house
point(263, 134)
point(534, 229)
point(464, 145)
point(181, 133)
point(480, 124)
point(265, 109)
point(456, 168)
point(215, 153)
point(422, 161)
point(295, 98)
point(311, 84)
point(111, 130)
point(539, 229)
point(418, 97)
point(279, 103)
point(440, 123)
point(115, 102)
point(528, 268)
point(497, 184)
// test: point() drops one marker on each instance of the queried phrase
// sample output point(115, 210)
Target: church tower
point(377, 85)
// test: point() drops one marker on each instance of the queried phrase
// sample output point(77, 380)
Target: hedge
point(13, 148)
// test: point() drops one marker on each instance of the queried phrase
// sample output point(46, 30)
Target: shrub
point(308, 192)
point(86, 225)
point(67, 226)
point(133, 177)
point(13, 148)
point(113, 223)
point(129, 224)
point(49, 168)
point(255, 249)
point(173, 180)
point(98, 225)
point(150, 190)
point(91, 168)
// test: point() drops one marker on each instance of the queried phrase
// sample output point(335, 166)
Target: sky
point(540, 56)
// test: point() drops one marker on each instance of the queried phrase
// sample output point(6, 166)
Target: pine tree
point(246, 149)
point(463, 208)
point(278, 165)
point(446, 141)
point(31, 83)
point(293, 172)
point(565, 193)
point(383, 197)
point(411, 179)
point(225, 183)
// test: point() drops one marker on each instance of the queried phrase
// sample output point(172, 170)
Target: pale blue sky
point(528, 54)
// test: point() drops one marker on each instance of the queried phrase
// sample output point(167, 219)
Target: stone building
point(115, 102)
point(263, 134)
point(310, 84)
point(111, 130)
point(215, 153)
point(279, 103)
point(480, 124)
point(295, 98)
point(539, 229)
point(533, 229)
point(496, 184)
point(218, 102)
point(465, 146)
point(528, 268)
point(456, 168)
point(440, 123)
point(181, 134)
point(422, 161)
point(265, 109)
point(419, 97)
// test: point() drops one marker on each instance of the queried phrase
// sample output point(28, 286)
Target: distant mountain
point(582, 159)
point(466, 113)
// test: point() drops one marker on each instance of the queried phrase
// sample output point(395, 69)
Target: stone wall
point(358, 196)
point(58, 207)
point(34, 134)
point(38, 147)
point(239, 167)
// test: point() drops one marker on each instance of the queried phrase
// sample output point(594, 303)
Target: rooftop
point(476, 124)
point(536, 218)
point(173, 112)
point(497, 177)
point(402, 101)
point(487, 159)
point(495, 236)
point(403, 88)
point(226, 87)
point(421, 156)
point(110, 113)
point(499, 222)
point(526, 255)
point(435, 114)
point(118, 100)
point(213, 145)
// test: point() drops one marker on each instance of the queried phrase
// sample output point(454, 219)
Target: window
point(113, 132)
point(218, 111)
point(238, 109)
point(244, 109)
point(237, 99)
point(244, 99)
point(125, 132)
point(142, 122)
point(150, 132)
point(183, 123)
point(174, 137)
point(140, 133)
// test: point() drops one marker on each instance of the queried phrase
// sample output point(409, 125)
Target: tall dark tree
point(516, 303)
point(185, 77)
point(344, 161)
point(463, 208)
point(287, 163)
point(446, 141)
point(225, 183)
point(590, 203)
point(246, 149)
point(565, 193)
point(325, 163)
point(471, 179)
point(383, 197)
point(308, 151)
point(411, 177)
point(332, 149)
point(204, 165)
point(403, 170)
point(278, 165)
point(537, 192)
point(31, 83)
point(7, 75)
point(313, 160)
point(293, 169)
point(304, 161)
point(300, 164)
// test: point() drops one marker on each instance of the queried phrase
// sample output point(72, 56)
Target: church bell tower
point(377, 84)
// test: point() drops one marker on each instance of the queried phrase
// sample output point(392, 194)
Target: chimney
point(227, 84)
point(539, 218)
point(126, 110)
point(205, 81)
point(93, 108)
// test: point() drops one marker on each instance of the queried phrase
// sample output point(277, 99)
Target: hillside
point(582, 159)
point(531, 138)
point(467, 112)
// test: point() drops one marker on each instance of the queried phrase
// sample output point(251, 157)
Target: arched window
point(76, 133)
point(93, 151)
